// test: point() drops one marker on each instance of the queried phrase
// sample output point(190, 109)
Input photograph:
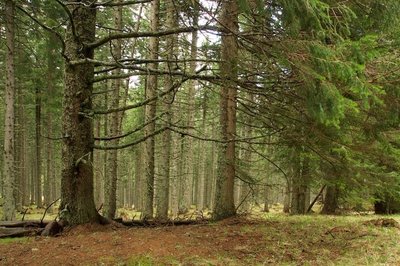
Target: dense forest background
point(221, 106)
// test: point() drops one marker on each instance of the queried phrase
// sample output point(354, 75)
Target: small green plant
point(13, 240)
point(141, 260)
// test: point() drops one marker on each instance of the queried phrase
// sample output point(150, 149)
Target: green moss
point(5, 241)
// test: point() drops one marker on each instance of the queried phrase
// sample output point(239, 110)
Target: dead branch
point(47, 208)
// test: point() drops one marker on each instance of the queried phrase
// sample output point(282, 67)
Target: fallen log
point(155, 223)
point(24, 224)
point(19, 232)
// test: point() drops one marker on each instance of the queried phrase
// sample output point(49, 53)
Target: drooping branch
point(127, 145)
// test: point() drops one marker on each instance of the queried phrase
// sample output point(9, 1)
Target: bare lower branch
point(123, 146)
point(125, 3)
point(132, 131)
point(143, 34)
point(133, 106)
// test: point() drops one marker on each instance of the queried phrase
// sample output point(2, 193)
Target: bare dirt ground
point(236, 241)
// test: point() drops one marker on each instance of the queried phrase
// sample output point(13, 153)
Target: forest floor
point(262, 239)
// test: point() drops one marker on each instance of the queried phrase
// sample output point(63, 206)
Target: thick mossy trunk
point(77, 204)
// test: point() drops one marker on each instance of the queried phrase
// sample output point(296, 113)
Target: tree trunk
point(110, 185)
point(331, 200)
point(150, 114)
point(51, 57)
point(139, 176)
point(9, 169)
point(20, 182)
point(300, 185)
point(49, 158)
point(38, 151)
point(203, 172)
point(211, 171)
point(287, 195)
point(97, 166)
point(224, 203)
point(188, 142)
point(163, 181)
point(77, 201)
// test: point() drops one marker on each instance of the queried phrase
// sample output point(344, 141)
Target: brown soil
point(231, 242)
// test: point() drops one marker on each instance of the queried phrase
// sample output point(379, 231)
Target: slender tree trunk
point(77, 201)
point(49, 158)
point(38, 145)
point(175, 196)
point(163, 182)
point(245, 191)
point(300, 185)
point(22, 173)
point(97, 166)
point(211, 171)
point(287, 195)
point(150, 114)
point(266, 198)
point(19, 150)
point(188, 142)
point(139, 176)
point(105, 152)
point(25, 189)
point(202, 176)
point(48, 197)
point(224, 204)
point(110, 186)
point(32, 167)
point(9, 167)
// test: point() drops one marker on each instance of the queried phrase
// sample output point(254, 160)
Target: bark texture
point(150, 113)
point(331, 200)
point(9, 171)
point(77, 204)
point(110, 186)
point(38, 146)
point(164, 177)
point(224, 203)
